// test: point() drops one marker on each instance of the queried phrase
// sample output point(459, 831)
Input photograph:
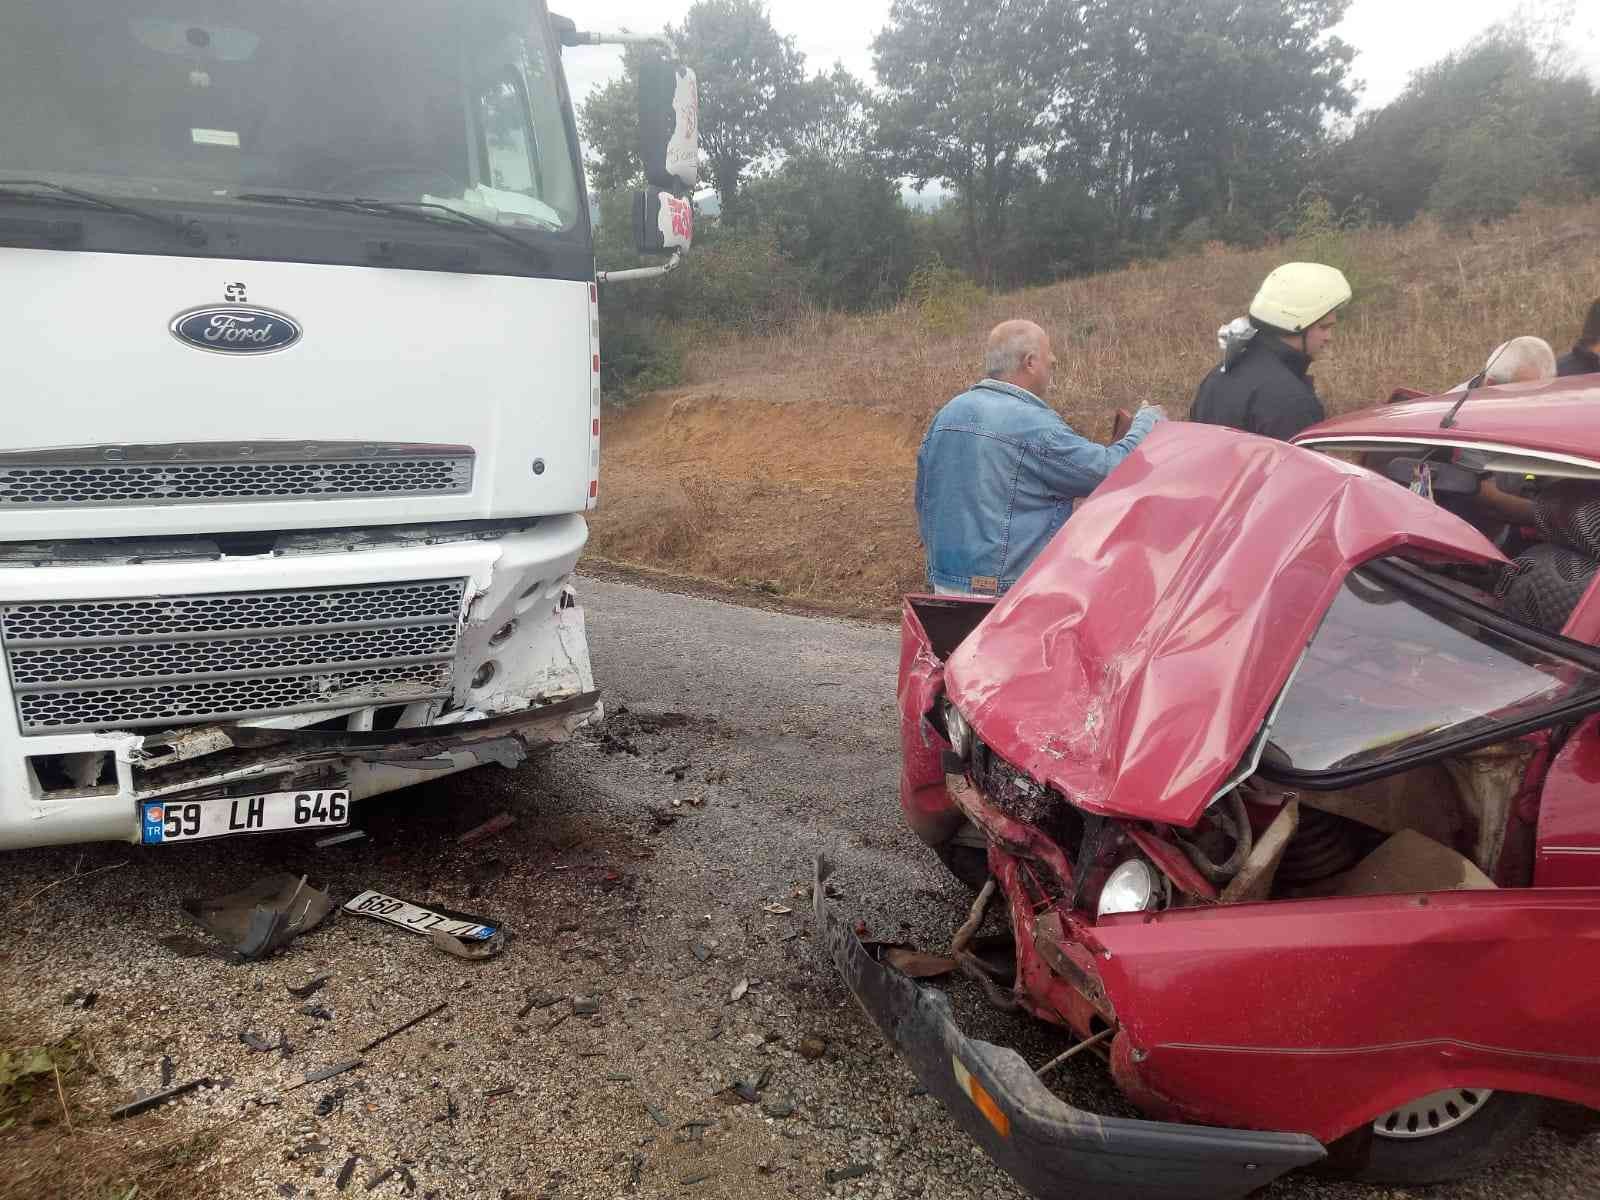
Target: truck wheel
point(967, 863)
point(1448, 1134)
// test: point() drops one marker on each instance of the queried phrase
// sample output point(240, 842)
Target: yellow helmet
point(1297, 295)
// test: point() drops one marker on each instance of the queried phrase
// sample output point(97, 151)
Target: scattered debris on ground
point(258, 920)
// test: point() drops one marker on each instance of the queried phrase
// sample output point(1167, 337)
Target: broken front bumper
point(1052, 1149)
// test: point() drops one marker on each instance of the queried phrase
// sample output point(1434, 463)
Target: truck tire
point(1495, 1124)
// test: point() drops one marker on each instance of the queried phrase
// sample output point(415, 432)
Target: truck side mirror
point(669, 124)
point(661, 222)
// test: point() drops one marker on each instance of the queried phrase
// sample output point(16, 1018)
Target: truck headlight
point(1132, 887)
point(960, 733)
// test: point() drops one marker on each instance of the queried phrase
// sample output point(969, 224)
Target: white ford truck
point(299, 402)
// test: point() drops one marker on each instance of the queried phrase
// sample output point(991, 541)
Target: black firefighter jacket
point(1266, 390)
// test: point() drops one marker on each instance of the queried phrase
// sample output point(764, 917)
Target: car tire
point(1505, 1119)
point(967, 863)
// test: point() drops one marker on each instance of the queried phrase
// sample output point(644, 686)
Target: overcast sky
point(1392, 37)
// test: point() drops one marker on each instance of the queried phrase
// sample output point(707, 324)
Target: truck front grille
point(80, 665)
point(234, 473)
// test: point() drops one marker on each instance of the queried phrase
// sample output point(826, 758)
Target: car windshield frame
point(495, 112)
point(1411, 585)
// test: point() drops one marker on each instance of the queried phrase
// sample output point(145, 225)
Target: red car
point(1287, 815)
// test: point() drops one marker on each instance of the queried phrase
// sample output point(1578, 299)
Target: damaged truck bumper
point(353, 661)
point(1055, 1151)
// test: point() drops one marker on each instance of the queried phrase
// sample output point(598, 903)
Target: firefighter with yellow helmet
point(1263, 385)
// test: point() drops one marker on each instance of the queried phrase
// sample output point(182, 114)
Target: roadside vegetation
point(57, 1141)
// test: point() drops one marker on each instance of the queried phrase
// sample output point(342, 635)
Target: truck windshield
point(200, 101)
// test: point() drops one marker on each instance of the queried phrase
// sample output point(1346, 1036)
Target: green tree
point(1209, 108)
point(751, 88)
point(609, 122)
point(831, 119)
point(841, 222)
point(1500, 115)
point(970, 90)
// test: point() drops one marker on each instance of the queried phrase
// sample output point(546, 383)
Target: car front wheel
point(1448, 1134)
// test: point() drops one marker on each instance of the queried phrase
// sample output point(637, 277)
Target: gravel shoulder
point(648, 871)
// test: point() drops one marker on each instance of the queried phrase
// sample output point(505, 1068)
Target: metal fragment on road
point(329, 1072)
point(259, 919)
point(261, 1046)
point(345, 1172)
point(687, 1180)
point(500, 1091)
point(399, 1029)
point(495, 824)
point(310, 988)
point(338, 839)
point(382, 1177)
point(156, 1099)
point(777, 910)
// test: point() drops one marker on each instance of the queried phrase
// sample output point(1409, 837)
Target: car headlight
point(960, 733)
point(1132, 887)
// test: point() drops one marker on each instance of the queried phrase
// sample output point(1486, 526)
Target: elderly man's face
point(1041, 366)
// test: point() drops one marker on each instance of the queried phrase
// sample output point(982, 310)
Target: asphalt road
point(649, 871)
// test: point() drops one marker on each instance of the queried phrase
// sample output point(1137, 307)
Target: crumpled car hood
point(1134, 661)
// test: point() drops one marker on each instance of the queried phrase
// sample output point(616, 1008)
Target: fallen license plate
point(418, 919)
point(194, 820)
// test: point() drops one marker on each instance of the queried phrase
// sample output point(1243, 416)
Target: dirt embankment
point(806, 500)
point(786, 464)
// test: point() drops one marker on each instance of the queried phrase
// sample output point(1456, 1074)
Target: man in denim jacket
point(998, 469)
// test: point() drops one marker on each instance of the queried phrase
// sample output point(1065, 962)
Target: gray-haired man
point(999, 469)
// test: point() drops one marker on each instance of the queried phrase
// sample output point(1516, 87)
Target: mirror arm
point(640, 272)
point(617, 37)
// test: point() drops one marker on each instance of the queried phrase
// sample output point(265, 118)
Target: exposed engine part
point(1323, 845)
point(1024, 799)
point(974, 967)
point(1234, 824)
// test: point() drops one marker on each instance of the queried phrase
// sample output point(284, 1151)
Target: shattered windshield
point(1391, 672)
point(201, 100)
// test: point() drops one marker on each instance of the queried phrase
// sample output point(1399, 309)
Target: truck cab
point(301, 379)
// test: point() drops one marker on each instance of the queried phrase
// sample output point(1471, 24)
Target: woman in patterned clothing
point(1543, 585)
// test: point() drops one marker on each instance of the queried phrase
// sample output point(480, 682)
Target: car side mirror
point(662, 222)
point(669, 124)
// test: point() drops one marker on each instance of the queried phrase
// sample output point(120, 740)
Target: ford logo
point(235, 329)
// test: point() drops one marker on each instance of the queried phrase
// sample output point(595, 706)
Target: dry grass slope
point(786, 462)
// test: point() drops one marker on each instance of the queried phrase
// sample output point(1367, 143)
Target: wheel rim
point(1432, 1114)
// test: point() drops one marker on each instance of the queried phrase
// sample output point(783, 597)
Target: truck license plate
point(194, 820)
point(416, 918)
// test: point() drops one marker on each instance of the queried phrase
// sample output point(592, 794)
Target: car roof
point(1558, 420)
